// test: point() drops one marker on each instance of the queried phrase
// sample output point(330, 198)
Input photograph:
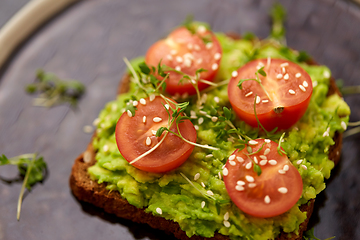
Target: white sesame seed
point(267, 140)
point(253, 142)
point(305, 84)
point(248, 94)
point(297, 75)
point(215, 66)
point(153, 132)
point(106, 148)
point(304, 167)
point(326, 134)
point(268, 62)
point(173, 51)
point(248, 165)
point(326, 74)
point(255, 160)
point(281, 171)
point(219, 173)
point(129, 113)
point(283, 70)
point(282, 190)
point(88, 129)
point(315, 83)
point(209, 192)
point(196, 47)
point(209, 156)
point(143, 101)
point(291, 91)
point(252, 185)
point(178, 68)
point(227, 224)
point(232, 163)
point(203, 184)
point(286, 168)
point(192, 113)
point(241, 183)
point(167, 106)
point(343, 125)
point(202, 112)
point(249, 178)
point(199, 61)
point(196, 127)
point(265, 101)
point(240, 159)
point(96, 121)
point(272, 162)
point(232, 157)
point(209, 45)
point(285, 64)
point(179, 59)
point(286, 76)
point(239, 188)
point(144, 119)
point(152, 97)
point(197, 176)
point(148, 141)
point(260, 65)
point(267, 151)
point(159, 211)
point(234, 74)
point(279, 76)
point(299, 161)
point(135, 103)
point(201, 29)
point(200, 121)
point(187, 62)
point(214, 119)
point(203, 204)
point(302, 88)
point(263, 162)
point(267, 199)
point(226, 216)
point(258, 99)
point(157, 119)
point(225, 171)
point(263, 157)
point(169, 57)
point(216, 99)
point(217, 56)
point(190, 46)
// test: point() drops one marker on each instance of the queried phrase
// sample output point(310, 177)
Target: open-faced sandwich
point(215, 137)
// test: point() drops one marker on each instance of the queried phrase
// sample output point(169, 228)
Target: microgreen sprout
point(278, 16)
point(256, 167)
point(279, 149)
point(54, 91)
point(193, 26)
point(31, 167)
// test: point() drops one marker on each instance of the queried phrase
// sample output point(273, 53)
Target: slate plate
point(88, 41)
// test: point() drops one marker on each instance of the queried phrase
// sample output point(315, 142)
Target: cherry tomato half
point(287, 84)
point(136, 135)
point(274, 192)
point(186, 52)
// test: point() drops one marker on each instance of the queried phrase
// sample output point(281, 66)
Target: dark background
point(88, 41)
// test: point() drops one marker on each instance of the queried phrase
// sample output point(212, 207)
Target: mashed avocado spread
point(173, 197)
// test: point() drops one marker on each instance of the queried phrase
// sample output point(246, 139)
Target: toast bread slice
point(87, 190)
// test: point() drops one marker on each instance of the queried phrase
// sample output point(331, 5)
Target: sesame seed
point(265, 101)
point(197, 176)
point(178, 68)
point(305, 84)
point(226, 216)
point(267, 199)
point(152, 97)
point(241, 183)
point(169, 57)
point(240, 159)
point(255, 160)
point(279, 76)
point(179, 59)
point(267, 151)
point(157, 119)
point(153, 132)
point(209, 45)
point(239, 188)
point(272, 162)
point(203, 184)
point(282, 190)
point(268, 62)
point(267, 140)
point(196, 47)
point(201, 120)
point(209, 192)
point(88, 129)
point(217, 56)
point(232, 157)
point(291, 91)
point(190, 46)
point(144, 119)
point(219, 173)
point(253, 142)
point(225, 171)
point(214, 119)
point(96, 121)
point(286, 77)
point(201, 29)
point(326, 134)
point(263, 157)
point(106, 148)
point(304, 167)
point(173, 51)
point(187, 62)
point(209, 156)
point(263, 162)
point(299, 161)
point(215, 66)
point(202, 204)
point(135, 103)
point(199, 61)
point(196, 127)
point(167, 106)
point(234, 74)
point(159, 211)
point(315, 83)
point(302, 88)
point(129, 113)
point(227, 224)
point(202, 112)
point(326, 74)
point(283, 70)
point(286, 168)
point(285, 64)
point(232, 163)
point(343, 125)
point(260, 65)
point(248, 165)
point(249, 178)
point(248, 94)
point(298, 75)
point(258, 99)
point(143, 101)
point(252, 185)
point(148, 141)
point(217, 99)
point(281, 171)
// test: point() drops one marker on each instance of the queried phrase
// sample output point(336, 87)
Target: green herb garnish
point(278, 16)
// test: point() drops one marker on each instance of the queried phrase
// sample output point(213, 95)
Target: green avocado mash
point(309, 140)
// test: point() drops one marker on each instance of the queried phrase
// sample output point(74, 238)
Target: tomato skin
point(131, 134)
point(294, 105)
point(251, 200)
point(200, 56)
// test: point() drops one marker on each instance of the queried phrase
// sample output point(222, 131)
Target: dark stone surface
point(88, 42)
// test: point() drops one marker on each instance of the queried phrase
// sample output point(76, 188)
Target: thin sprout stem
point(162, 81)
point(350, 90)
point(233, 127)
point(208, 82)
point(354, 124)
point(132, 70)
point(192, 184)
point(350, 132)
point(222, 83)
